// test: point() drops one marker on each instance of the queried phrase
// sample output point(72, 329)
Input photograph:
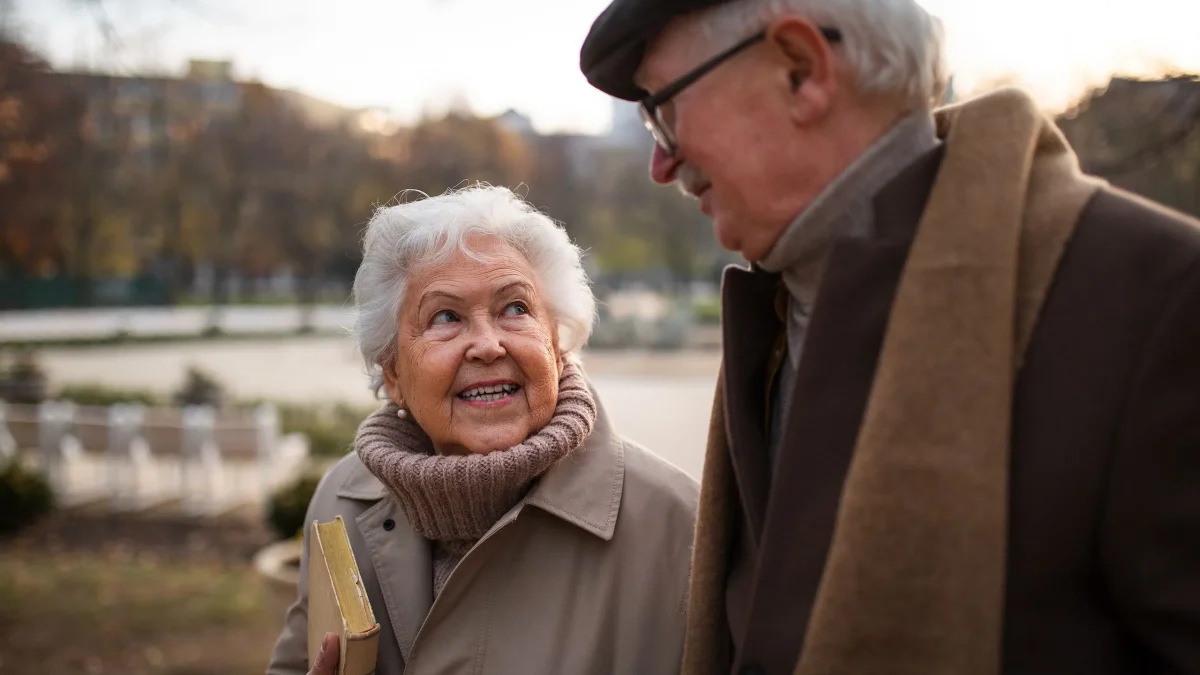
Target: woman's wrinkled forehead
point(484, 265)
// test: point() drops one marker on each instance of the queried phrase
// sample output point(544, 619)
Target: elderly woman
point(500, 523)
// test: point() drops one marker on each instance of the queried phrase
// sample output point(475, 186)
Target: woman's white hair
point(893, 47)
point(404, 237)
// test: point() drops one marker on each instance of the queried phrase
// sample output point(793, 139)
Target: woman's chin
point(485, 442)
point(481, 427)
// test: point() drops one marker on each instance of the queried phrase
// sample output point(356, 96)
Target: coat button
point(389, 524)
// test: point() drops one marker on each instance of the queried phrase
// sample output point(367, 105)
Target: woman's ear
point(556, 347)
point(391, 384)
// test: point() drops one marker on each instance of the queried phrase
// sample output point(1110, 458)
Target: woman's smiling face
point(477, 361)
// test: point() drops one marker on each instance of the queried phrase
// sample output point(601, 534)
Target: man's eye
point(444, 316)
point(516, 309)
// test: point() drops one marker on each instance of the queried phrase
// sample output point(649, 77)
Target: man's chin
point(733, 238)
point(727, 237)
point(752, 254)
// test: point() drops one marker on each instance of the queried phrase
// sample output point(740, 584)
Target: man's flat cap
point(613, 49)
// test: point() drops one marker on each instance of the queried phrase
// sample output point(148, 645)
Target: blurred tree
point(1144, 136)
point(286, 193)
point(253, 153)
point(459, 149)
point(675, 235)
point(558, 186)
point(117, 175)
point(347, 183)
point(40, 125)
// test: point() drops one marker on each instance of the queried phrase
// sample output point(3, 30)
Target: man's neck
point(843, 210)
point(878, 161)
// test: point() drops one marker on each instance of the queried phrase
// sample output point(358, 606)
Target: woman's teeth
point(492, 393)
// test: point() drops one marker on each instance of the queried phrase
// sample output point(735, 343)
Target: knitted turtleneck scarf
point(452, 500)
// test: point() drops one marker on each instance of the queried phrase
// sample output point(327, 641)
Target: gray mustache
point(689, 179)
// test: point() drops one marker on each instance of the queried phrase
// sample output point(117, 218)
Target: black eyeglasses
point(650, 107)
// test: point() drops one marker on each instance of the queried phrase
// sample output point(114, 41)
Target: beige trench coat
point(587, 575)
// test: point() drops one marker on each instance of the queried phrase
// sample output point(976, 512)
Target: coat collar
point(361, 484)
point(583, 489)
point(749, 328)
point(859, 269)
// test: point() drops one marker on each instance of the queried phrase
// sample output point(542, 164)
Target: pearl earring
point(402, 414)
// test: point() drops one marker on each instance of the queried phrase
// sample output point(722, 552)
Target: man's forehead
point(681, 42)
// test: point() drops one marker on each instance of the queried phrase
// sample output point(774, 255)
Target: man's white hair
point(406, 237)
point(893, 47)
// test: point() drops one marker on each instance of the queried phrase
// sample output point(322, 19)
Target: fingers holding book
point(327, 658)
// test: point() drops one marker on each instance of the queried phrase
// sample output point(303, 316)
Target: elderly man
point(957, 429)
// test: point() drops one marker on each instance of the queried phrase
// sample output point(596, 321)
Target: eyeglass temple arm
point(652, 102)
point(833, 35)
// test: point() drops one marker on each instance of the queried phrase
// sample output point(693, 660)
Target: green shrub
point(287, 507)
point(200, 388)
point(24, 380)
point(96, 394)
point(707, 311)
point(330, 429)
point(325, 441)
point(25, 496)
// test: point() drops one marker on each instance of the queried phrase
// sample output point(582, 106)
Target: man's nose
point(663, 166)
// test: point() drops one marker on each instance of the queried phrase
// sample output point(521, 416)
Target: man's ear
point(806, 63)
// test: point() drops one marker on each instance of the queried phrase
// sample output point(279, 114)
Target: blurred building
point(322, 114)
point(144, 111)
point(147, 112)
point(628, 130)
point(516, 122)
point(555, 153)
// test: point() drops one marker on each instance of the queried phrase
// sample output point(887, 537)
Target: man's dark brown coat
point(1103, 537)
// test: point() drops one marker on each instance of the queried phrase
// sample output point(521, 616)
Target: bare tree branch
point(202, 10)
point(1149, 152)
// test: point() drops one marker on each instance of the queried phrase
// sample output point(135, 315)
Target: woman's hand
point(327, 658)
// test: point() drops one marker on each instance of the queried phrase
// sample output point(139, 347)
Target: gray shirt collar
point(843, 209)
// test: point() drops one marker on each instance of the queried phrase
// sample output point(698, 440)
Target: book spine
point(361, 652)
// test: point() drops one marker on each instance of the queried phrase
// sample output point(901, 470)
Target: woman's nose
point(485, 345)
point(662, 166)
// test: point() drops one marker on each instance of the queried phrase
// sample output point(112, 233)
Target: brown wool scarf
point(914, 581)
point(453, 500)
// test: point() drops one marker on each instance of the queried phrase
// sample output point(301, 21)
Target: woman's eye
point(516, 309)
point(444, 316)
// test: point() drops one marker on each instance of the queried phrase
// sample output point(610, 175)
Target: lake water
point(659, 399)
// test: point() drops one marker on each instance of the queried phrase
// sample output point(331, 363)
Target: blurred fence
point(130, 457)
point(153, 322)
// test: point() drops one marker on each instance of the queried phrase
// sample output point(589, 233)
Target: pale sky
point(415, 55)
